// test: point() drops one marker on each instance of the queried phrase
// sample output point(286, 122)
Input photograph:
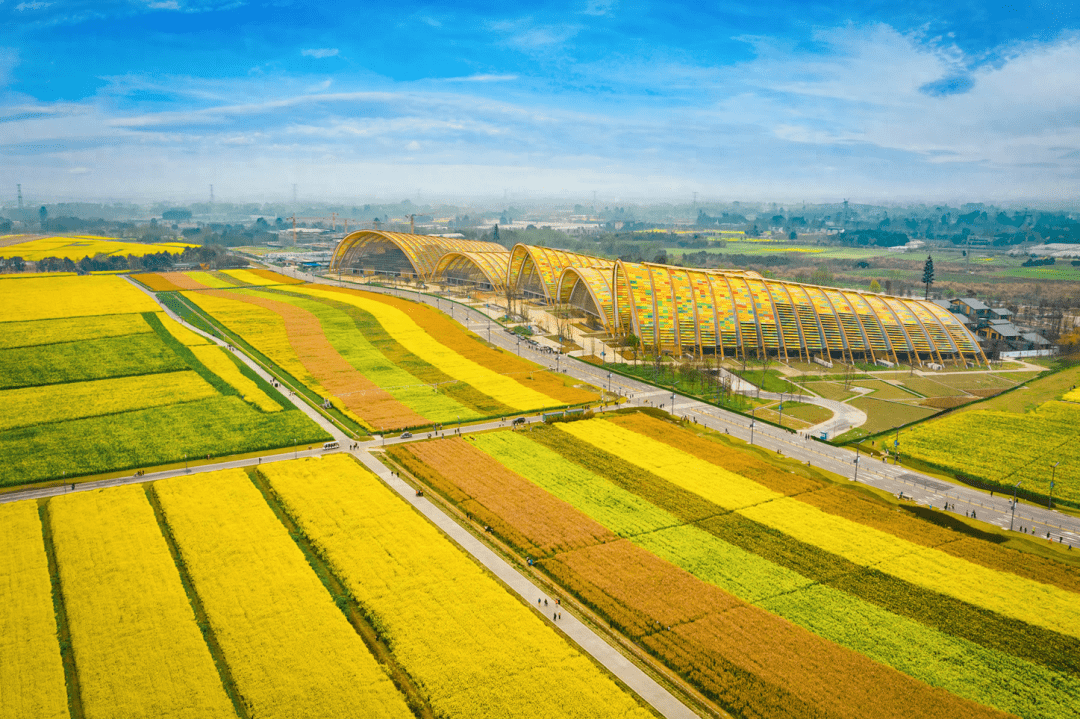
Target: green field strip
point(189, 358)
point(48, 404)
point(217, 426)
point(395, 352)
point(35, 333)
point(87, 360)
point(351, 343)
point(212, 644)
point(932, 655)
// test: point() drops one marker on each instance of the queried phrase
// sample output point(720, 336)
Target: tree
point(875, 286)
point(44, 215)
point(928, 274)
point(495, 234)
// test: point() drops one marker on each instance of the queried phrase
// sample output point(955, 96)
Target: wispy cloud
point(35, 5)
point(320, 52)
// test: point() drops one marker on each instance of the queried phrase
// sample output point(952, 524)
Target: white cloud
point(413, 146)
point(79, 170)
point(871, 88)
point(164, 5)
point(320, 52)
point(35, 5)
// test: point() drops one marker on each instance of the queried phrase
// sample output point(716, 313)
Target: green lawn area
point(830, 390)
point(770, 380)
point(971, 381)
point(930, 387)
point(882, 415)
point(884, 390)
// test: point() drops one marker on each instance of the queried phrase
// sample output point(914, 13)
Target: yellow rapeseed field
point(1008, 594)
point(207, 279)
point(31, 673)
point(413, 338)
point(1031, 602)
point(28, 406)
point(181, 333)
point(215, 358)
point(72, 329)
point(76, 248)
point(259, 280)
point(474, 649)
point(716, 484)
point(138, 650)
point(290, 650)
point(263, 328)
point(42, 298)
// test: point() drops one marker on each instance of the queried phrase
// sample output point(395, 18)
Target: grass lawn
point(796, 415)
point(830, 390)
point(929, 387)
point(884, 390)
point(882, 415)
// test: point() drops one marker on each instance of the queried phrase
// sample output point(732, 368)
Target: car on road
point(406, 435)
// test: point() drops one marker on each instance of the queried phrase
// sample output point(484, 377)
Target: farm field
point(218, 279)
point(705, 532)
point(94, 378)
point(77, 247)
point(384, 363)
point(193, 597)
point(1014, 437)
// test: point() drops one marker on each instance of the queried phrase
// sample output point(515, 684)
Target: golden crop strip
point(42, 298)
point(257, 280)
point(73, 329)
point(76, 248)
point(181, 333)
point(474, 649)
point(138, 651)
point(405, 331)
point(28, 406)
point(290, 650)
point(208, 280)
point(31, 673)
point(263, 328)
point(215, 358)
point(1032, 602)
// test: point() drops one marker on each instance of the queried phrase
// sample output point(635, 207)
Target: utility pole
point(1050, 504)
point(856, 463)
point(1013, 517)
point(20, 195)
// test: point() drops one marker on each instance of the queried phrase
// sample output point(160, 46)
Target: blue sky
point(784, 101)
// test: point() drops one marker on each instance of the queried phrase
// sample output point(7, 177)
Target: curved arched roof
point(597, 282)
point(489, 265)
point(423, 252)
point(678, 307)
point(546, 265)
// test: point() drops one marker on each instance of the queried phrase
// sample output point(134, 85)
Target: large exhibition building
point(730, 313)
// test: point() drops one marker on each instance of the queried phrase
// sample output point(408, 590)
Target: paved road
point(896, 479)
